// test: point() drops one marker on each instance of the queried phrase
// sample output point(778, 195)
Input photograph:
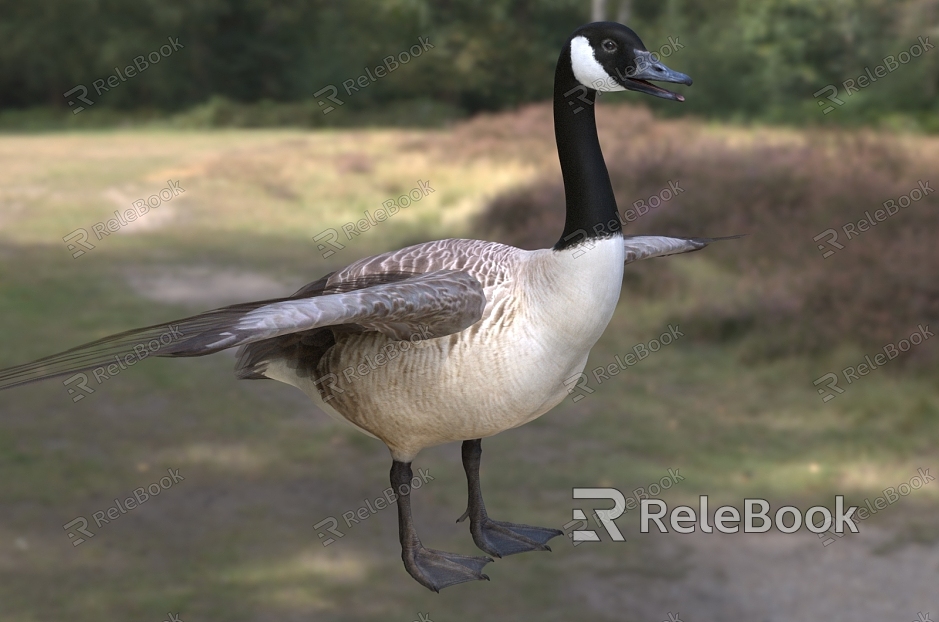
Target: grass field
point(234, 540)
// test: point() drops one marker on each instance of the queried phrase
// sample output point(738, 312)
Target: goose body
point(544, 311)
point(453, 340)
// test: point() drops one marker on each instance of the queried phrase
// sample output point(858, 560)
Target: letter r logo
point(81, 382)
point(331, 237)
point(333, 524)
point(82, 529)
point(333, 92)
point(832, 385)
point(605, 517)
point(581, 97)
point(79, 237)
point(82, 92)
point(832, 97)
point(582, 535)
point(832, 241)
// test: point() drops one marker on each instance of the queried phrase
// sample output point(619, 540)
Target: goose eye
point(609, 45)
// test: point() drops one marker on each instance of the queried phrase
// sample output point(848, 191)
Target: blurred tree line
point(751, 59)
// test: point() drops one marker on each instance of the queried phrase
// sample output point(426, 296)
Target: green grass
point(235, 540)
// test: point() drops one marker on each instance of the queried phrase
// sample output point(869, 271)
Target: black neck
point(591, 207)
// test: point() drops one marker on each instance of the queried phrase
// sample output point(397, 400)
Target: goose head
point(606, 56)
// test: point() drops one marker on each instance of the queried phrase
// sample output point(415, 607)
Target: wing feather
point(438, 303)
point(648, 246)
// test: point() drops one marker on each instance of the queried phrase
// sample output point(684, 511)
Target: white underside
point(535, 334)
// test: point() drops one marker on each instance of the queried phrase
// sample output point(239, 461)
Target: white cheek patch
point(587, 70)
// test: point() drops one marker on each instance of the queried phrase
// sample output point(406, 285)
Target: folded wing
point(437, 303)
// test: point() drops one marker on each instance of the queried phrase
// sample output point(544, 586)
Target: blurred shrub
point(221, 112)
point(751, 59)
point(484, 55)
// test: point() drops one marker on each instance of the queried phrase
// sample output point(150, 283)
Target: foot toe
point(502, 538)
point(439, 569)
point(539, 534)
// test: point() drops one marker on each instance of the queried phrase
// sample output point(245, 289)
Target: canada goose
point(496, 330)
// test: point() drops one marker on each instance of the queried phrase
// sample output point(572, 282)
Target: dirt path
point(774, 577)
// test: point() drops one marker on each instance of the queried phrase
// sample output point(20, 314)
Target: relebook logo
point(757, 516)
point(683, 518)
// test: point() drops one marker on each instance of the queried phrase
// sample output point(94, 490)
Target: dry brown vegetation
point(782, 188)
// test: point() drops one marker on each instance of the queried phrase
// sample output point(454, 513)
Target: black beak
point(649, 68)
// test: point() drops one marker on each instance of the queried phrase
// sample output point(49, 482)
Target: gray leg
point(434, 570)
point(497, 538)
